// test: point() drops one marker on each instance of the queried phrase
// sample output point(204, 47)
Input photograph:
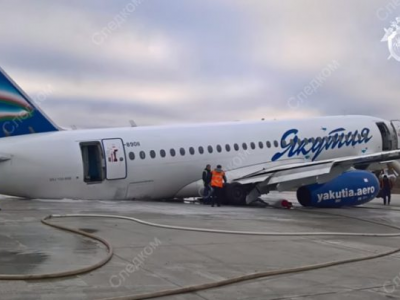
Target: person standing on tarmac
point(207, 184)
point(386, 188)
point(218, 179)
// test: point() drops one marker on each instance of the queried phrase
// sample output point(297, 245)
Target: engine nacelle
point(349, 189)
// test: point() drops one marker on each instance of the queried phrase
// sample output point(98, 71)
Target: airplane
point(328, 160)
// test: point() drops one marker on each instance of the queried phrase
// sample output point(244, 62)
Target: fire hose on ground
point(200, 287)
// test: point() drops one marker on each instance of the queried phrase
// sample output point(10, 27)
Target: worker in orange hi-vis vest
point(218, 179)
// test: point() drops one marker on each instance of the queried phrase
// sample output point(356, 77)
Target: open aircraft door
point(116, 167)
point(396, 126)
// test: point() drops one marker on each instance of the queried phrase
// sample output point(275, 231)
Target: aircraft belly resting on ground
point(318, 156)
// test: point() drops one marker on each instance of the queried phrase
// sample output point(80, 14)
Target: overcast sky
point(182, 61)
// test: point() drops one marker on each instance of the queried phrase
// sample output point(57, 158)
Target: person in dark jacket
point(207, 184)
point(386, 189)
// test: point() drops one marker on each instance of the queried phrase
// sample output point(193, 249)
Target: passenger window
point(284, 144)
point(201, 150)
point(182, 151)
point(252, 145)
point(210, 149)
point(219, 148)
point(172, 152)
point(276, 144)
point(228, 148)
point(131, 155)
point(152, 154)
point(162, 153)
point(261, 145)
point(269, 144)
point(236, 147)
point(142, 155)
point(191, 150)
point(244, 145)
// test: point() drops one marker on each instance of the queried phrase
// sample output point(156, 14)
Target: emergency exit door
point(115, 159)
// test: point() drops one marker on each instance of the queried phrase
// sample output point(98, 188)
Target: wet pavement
point(165, 259)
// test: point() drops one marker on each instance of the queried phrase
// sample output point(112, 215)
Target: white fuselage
point(50, 165)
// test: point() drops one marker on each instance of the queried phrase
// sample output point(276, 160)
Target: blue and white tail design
point(18, 113)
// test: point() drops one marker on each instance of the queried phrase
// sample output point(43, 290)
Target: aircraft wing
point(290, 175)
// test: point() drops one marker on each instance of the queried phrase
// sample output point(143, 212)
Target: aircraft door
point(396, 127)
point(115, 159)
point(93, 162)
point(386, 136)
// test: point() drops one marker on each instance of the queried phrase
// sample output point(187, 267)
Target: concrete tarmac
point(149, 259)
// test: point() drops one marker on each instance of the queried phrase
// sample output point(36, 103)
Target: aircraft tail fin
point(19, 114)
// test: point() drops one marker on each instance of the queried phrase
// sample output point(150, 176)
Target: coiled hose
point(200, 287)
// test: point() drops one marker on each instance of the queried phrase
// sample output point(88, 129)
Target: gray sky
point(180, 61)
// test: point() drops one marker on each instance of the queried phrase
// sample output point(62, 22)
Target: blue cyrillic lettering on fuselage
point(292, 145)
